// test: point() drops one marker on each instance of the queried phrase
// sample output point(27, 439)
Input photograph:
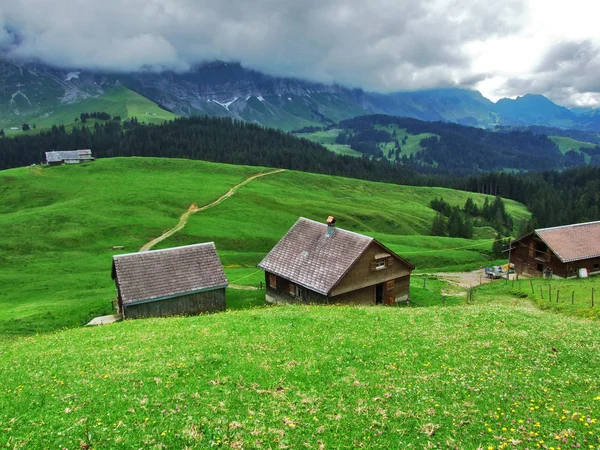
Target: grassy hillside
point(118, 101)
point(411, 143)
point(494, 375)
point(327, 139)
point(60, 223)
point(566, 144)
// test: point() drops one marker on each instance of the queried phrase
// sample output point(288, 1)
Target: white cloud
point(382, 45)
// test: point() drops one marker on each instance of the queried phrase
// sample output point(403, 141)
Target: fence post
point(260, 285)
point(572, 297)
point(531, 284)
point(424, 282)
point(550, 292)
point(592, 297)
point(557, 294)
point(542, 292)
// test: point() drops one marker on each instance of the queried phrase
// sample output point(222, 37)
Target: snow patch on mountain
point(72, 75)
point(226, 105)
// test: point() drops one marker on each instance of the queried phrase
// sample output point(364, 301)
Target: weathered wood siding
point(362, 273)
point(402, 289)
point(364, 296)
point(201, 302)
point(281, 293)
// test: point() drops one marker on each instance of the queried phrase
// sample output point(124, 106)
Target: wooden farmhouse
point(319, 263)
point(68, 157)
point(182, 280)
point(564, 250)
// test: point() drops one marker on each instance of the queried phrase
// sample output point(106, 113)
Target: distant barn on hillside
point(319, 263)
point(182, 280)
point(68, 157)
point(565, 250)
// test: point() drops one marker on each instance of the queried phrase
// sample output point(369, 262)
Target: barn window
point(380, 264)
point(272, 281)
point(299, 292)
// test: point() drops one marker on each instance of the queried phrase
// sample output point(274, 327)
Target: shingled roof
point(312, 257)
point(573, 242)
point(161, 274)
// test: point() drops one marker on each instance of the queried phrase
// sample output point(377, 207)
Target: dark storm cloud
point(565, 72)
point(572, 54)
point(380, 44)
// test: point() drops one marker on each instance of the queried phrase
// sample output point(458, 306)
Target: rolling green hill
point(60, 223)
point(118, 101)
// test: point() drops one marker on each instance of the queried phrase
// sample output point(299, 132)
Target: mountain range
point(30, 92)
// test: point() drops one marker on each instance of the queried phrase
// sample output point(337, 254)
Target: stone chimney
point(330, 225)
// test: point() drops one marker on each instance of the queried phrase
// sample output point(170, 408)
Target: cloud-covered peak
point(379, 45)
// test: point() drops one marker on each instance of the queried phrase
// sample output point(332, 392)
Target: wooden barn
point(320, 263)
point(68, 157)
point(182, 280)
point(564, 250)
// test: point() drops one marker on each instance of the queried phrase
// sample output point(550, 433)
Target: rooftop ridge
point(337, 228)
point(573, 225)
point(164, 249)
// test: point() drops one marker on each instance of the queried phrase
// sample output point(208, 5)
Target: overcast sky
point(503, 48)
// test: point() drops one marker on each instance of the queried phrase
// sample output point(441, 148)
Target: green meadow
point(504, 367)
point(496, 374)
point(412, 143)
point(327, 139)
point(60, 224)
point(566, 144)
point(118, 101)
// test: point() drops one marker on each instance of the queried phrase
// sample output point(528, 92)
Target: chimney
point(330, 225)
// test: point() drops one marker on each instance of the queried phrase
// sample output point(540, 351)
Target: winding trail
point(193, 208)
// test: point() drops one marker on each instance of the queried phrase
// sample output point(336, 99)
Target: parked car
point(495, 272)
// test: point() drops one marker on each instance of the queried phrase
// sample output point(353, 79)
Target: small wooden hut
point(182, 280)
point(320, 263)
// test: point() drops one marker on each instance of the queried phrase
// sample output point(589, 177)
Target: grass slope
point(59, 224)
point(493, 375)
point(327, 139)
point(118, 101)
point(411, 146)
point(566, 144)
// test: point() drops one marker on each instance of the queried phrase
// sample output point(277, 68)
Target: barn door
point(390, 297)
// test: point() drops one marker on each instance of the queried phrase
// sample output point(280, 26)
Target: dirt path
point(193, 208)
point(465, 279)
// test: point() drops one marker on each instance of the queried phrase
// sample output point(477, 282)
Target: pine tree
point(439, 226)
point(498, 246)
